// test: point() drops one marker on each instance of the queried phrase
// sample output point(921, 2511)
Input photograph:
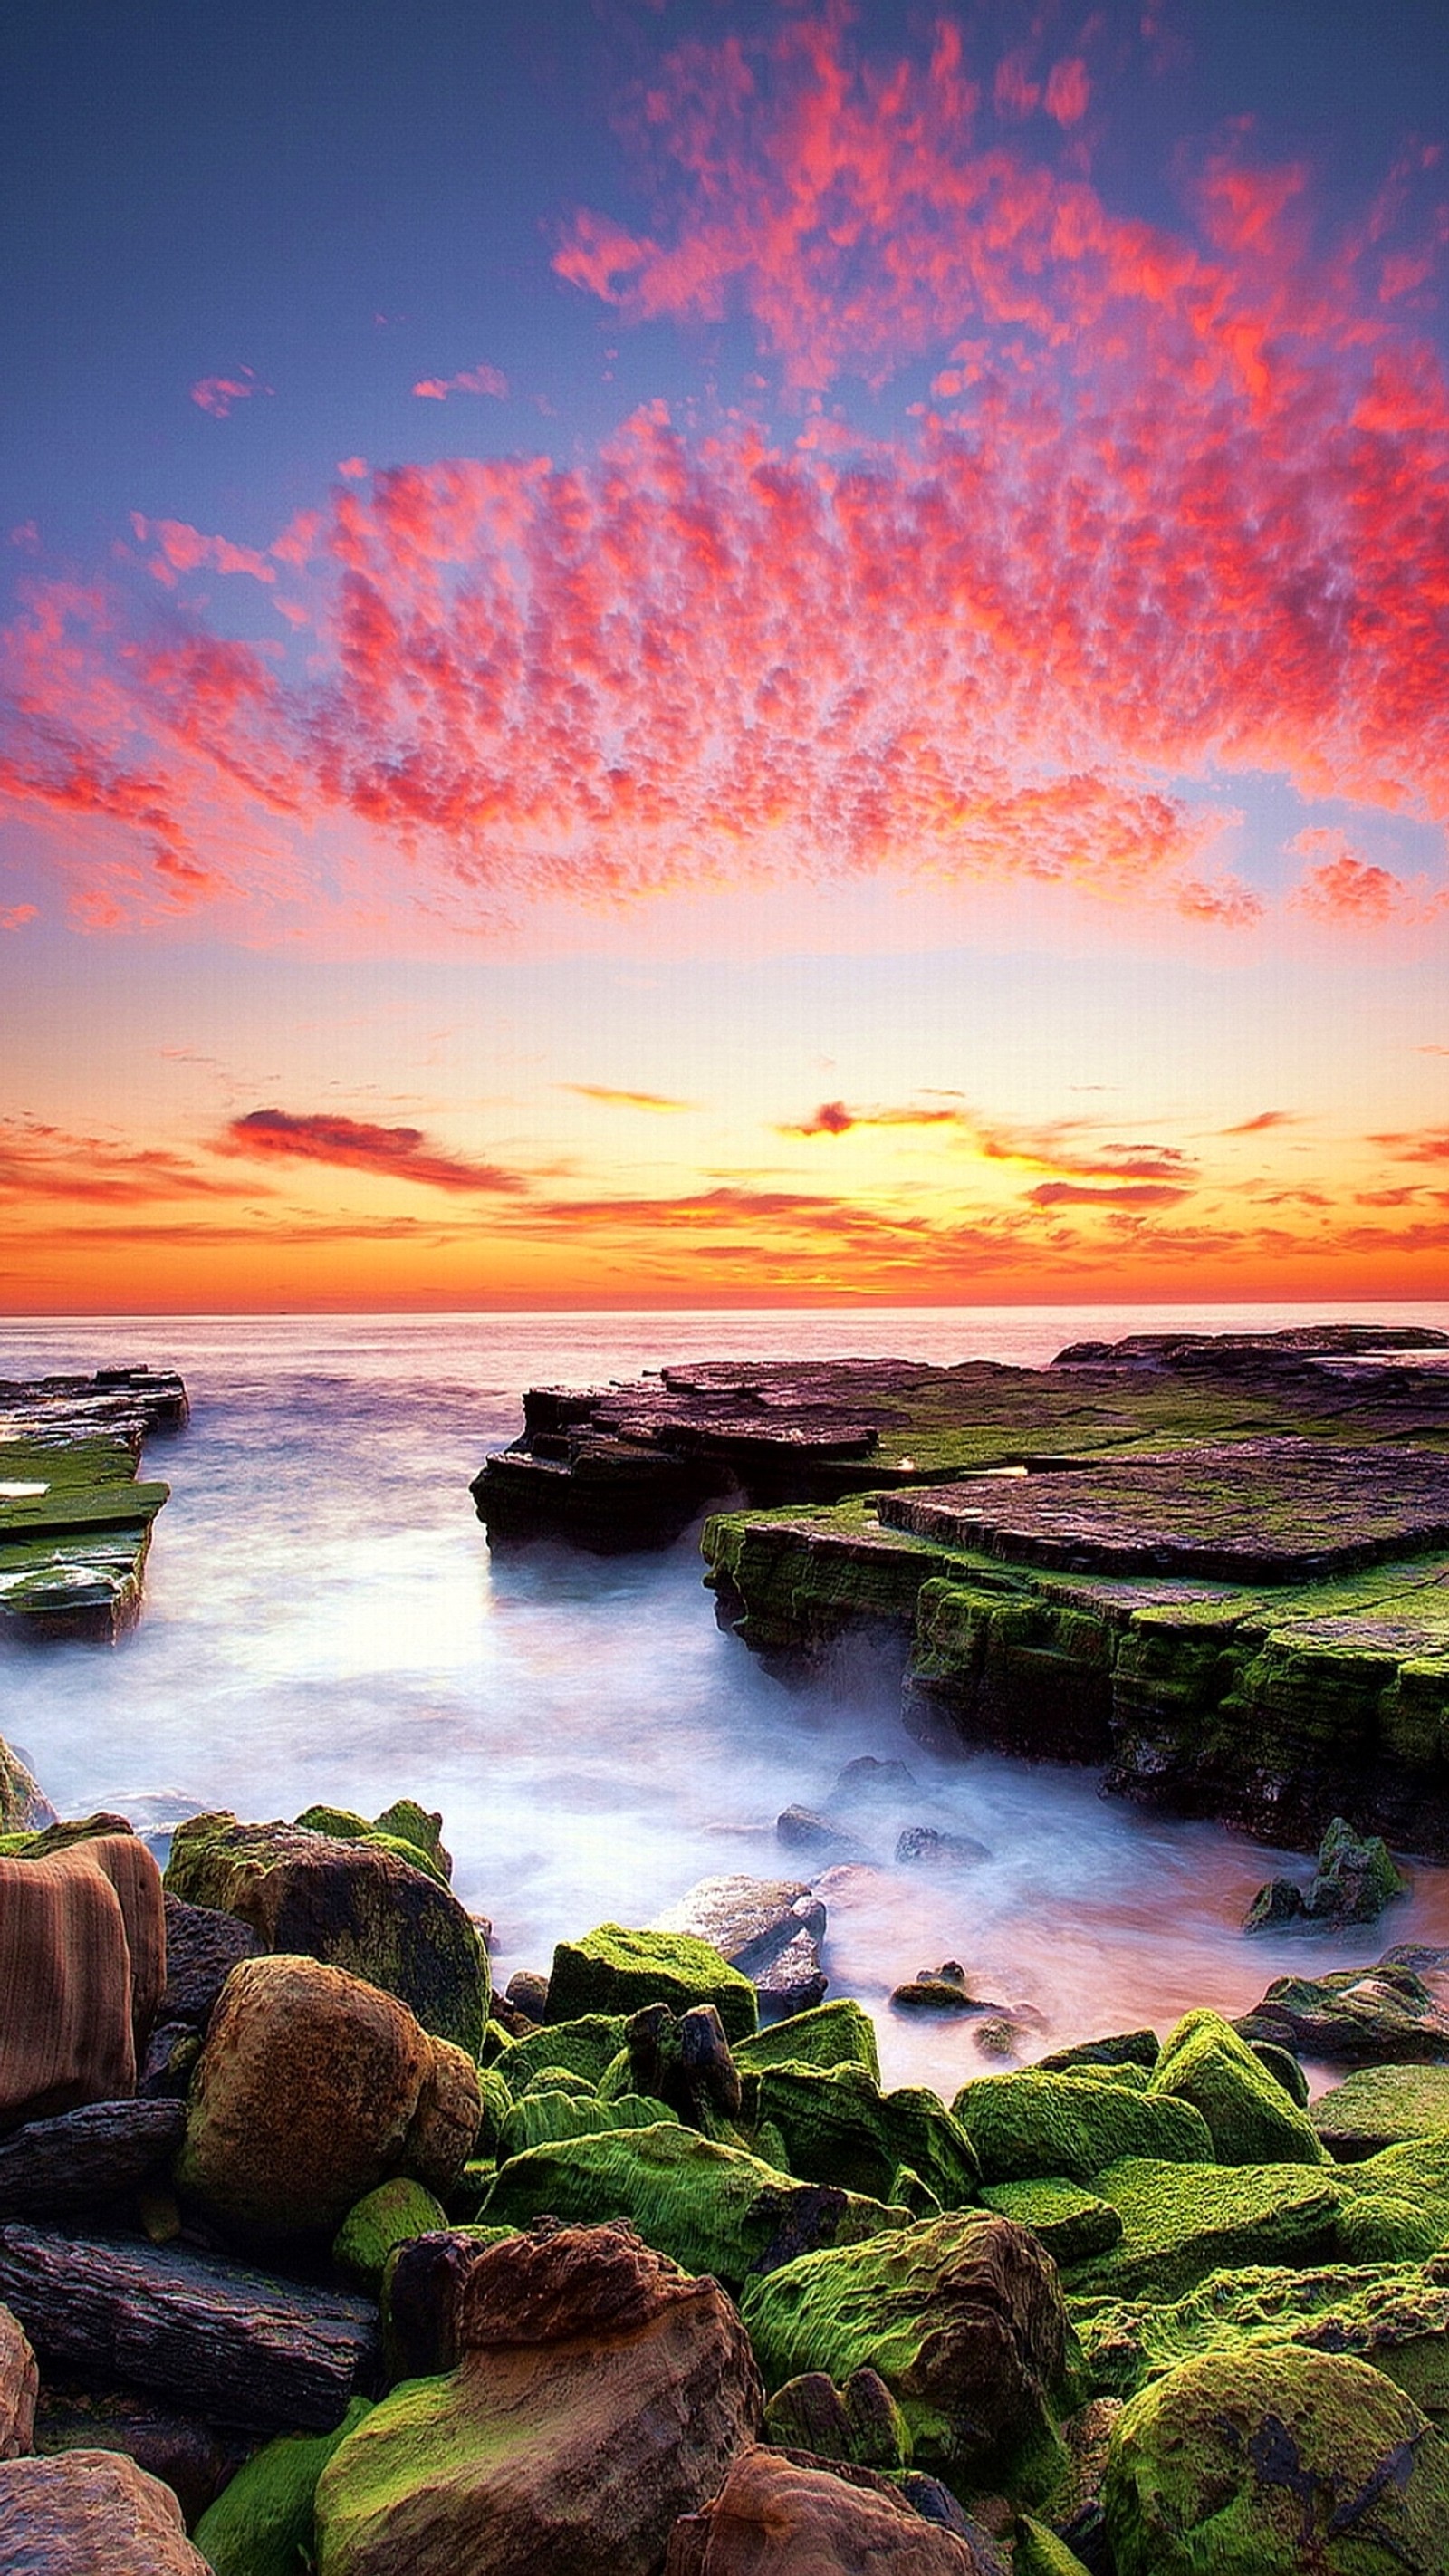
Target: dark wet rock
point(422, 2286)
point(91, 2513)
point(203, 1945)
point(345, 1902)
point(313, 2087)
point(1356, 1877)
point(19, 2385)
point(527, 1992)
point(1122, 2048)
point(232, 2345)
point(166, 2069)
point(1000, 2035)
point(187, 2454)
point(776, 2514)
point(600, 2394)
point(925, 1847)
point(941, 1990)
point(794, 1981)
point(859, 2421)
point(684, 2061)
point(78, 2161)
point(1354, 2016)
point(800, 1829)
point(82, 1962)
point(1276, 2461)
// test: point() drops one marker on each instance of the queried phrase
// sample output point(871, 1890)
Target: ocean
point(323, 1620)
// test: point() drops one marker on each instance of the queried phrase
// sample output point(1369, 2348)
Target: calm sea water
point(323, 1620)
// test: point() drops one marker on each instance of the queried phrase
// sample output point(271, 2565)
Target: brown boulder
point(90, 2513)
point(313, 2087)
point(82, 1967)
point(19, 2386)
point(602, 2393)
point(773, 2517)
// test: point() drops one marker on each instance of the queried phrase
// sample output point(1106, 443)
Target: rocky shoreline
point(315, 2252)
point(75, 1522)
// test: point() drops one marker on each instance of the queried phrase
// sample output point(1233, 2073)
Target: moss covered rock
point(383, 2219)
point(1071, 2223)
point(1249, 2115)
point(1270, 2463)
point(1386, 2227)
point(1181, 2222)
point(261, 2523)
point(1408, 2187)
point(346, 1902)
point(1121, 2048)
point(962, 2318)
point(1042, 2552)
point(711, 2208)
point(859, 2421)
point(543, 2117)
point(1394, 2318)
point(838, 2127)
point(1028, 2125)
point(614, 1970)
point(835, 2034)
point(1381, 2106)
point(586, 2047)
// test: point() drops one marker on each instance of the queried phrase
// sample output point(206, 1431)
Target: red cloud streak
point(393, 1153)
point(1185, 504)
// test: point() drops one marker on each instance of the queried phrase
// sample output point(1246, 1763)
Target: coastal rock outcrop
point(313, 2087)
point(601, 2394)
point(349, 1902)
point(775, 2517)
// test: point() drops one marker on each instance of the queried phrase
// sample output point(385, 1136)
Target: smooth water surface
point(323, 1621)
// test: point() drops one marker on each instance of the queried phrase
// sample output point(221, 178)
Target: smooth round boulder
point(1265, 2462)
point(90, 2513)
point(313, 2087)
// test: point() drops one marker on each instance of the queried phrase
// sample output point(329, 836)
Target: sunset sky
point(667, 652)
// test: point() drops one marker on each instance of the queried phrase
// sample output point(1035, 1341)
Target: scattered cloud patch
point(1265, 1119)
point(473, 380)
point(354, 1144)
point(217, 394)
point(14, 916)
point(611, 1099)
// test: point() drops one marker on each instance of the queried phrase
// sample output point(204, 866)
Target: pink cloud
point(1344, 887)
point(474, 380)
point(15, 916)
point(355, 1144)
point(216, 394)
point(353, 469)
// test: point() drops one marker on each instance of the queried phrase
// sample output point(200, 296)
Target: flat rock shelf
point(1217, 1567)
point(75, 1521)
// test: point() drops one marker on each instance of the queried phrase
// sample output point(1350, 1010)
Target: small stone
point(1278, 1901)
point(998, 2035)
point(922, 1846)
point(799, 1829)
point(527, 1992)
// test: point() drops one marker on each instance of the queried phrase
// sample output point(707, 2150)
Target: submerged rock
point(1355, 1879)
point(1354, 2015)
point(599, 2395)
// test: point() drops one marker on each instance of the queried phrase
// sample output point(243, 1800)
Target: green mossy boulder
point(1395, 2318)
point(587, 2048)
point(1071, 2223)
point(496, 2101)
point(1042, 2552)
point(261, 2523)
point(1249, 2115)
point(544, 2117)
point(835, 2034)
point(1381, 2106)
point(1123, 2048)
point(710, 2208)
point(859, 2422)
point(1407, 2183)
point(962, 2317)
point(1355, 1879)
point(1284, 2068)
point(382, 2220)
point(421, 1826)
point(1180, 2222)
point(1387, 2227)
point(838, 2127)
point(348, 1903)
point(559, 2079)
point(614, 1970)
point(1028, 2125)
point(1273, 2463)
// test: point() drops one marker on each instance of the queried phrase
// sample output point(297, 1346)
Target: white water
point(323, 1621)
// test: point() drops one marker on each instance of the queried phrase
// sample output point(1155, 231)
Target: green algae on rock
point(1390, 2315)
point(1381, 2106)
point(1267, 2463)
point(75, 1524)
point(1027, 2124)
point(586, 2047)
point(833, 2034)
point(838, 2127)
point(341, 1824)
point(1182, 2221)
point(347, 1902)
point(1071, 2223)
point(962, 2318)
point(386, 2217)
point(709, 2207)
point(1249, 2115)
point(261, 2523)
point(1352, 2016)
point(615, 1970)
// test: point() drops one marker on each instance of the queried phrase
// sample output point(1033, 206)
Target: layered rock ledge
point(75, 1521)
